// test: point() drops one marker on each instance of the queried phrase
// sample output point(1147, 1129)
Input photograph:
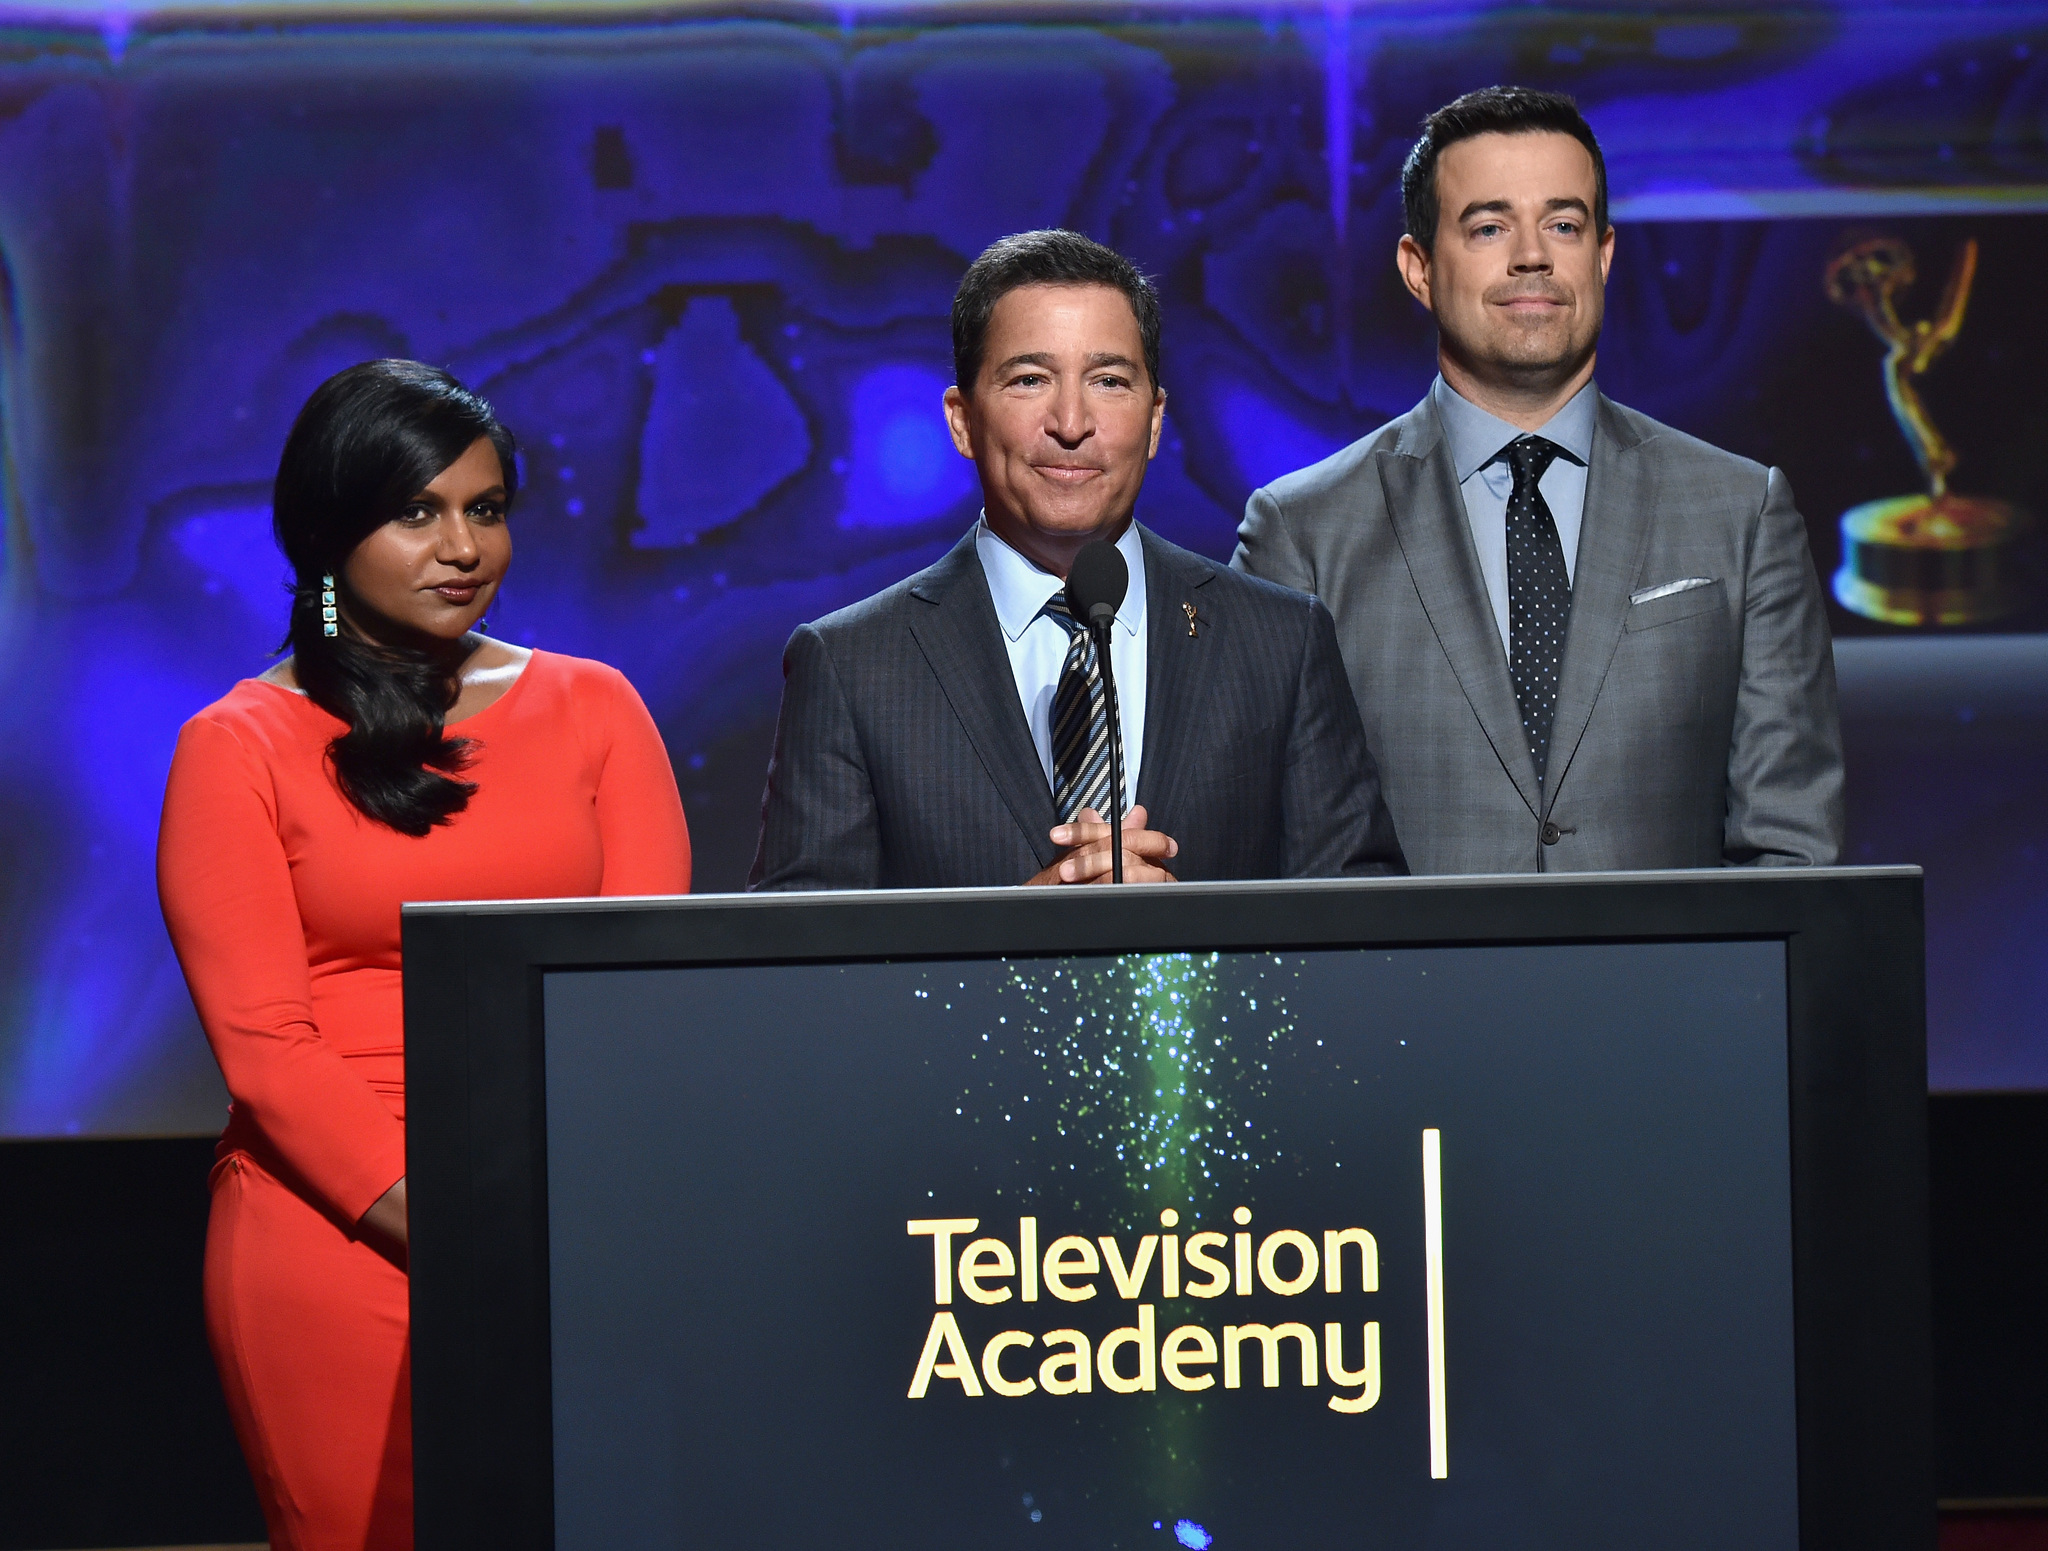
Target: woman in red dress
point(395, 755)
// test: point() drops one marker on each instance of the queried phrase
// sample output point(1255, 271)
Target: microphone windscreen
point(1097, 582)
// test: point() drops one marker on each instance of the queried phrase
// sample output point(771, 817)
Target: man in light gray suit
point(1579, 639)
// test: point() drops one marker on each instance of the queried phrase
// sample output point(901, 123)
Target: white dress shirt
point(1477, 440)
point(1038, 645)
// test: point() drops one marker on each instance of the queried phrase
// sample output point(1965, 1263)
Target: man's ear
point(1412, 259)
point(1606, 254)
point(958, 423)
point(1158, 421)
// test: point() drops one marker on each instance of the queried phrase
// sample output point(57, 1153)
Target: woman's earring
point(328, 612)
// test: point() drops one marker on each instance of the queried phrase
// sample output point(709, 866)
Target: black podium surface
point(1537, 1212)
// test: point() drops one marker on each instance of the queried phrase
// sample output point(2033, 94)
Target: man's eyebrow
point(1033, 358)
point(1504, 207)
point(1485, 207)
point(1111, 358)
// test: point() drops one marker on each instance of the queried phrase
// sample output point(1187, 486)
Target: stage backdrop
point(701, 261)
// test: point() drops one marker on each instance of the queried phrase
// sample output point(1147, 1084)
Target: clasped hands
point(1086, 853)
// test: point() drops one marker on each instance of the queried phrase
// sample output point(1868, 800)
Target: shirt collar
point(1020, 589)
point(1477, 437)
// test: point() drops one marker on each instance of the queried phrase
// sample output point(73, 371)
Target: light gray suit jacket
point(1693, 729)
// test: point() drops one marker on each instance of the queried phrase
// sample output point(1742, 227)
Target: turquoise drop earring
point(328, 612)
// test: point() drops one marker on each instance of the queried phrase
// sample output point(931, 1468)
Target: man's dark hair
point(1044, 258)
point(1492, 110)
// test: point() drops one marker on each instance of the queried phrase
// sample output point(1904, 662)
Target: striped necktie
point(1080, 722)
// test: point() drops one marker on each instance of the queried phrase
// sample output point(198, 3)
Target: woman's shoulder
point(584, 680)
point(593, 697)
point(266, 704)
point(257, 723)
point(576, 670)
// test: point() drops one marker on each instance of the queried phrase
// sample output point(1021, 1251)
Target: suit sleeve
point(1266, 548)
point(639, 812)
point(227, 896)
point(819, 825)
point(1785, 758)
point(1336, 822)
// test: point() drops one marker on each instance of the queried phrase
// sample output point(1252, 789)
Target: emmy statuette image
point(1938, 558)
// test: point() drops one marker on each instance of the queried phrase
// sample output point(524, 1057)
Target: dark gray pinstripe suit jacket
point(903, 759)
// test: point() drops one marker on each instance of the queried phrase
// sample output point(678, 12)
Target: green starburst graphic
point(1148, 1069)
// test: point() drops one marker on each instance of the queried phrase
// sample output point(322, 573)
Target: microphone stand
point(1102, 630)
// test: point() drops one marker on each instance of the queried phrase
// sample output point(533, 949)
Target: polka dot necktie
point(1080, 722)
point(1539, 594)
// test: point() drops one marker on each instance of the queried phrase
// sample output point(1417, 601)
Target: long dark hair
point(369, 440)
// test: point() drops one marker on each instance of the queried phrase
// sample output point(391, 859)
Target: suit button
point(1551, 833)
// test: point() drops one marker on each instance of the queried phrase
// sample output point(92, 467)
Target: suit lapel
point(1428, 515)
point(962, 641)
point(1173, 672)
point(1621, 494)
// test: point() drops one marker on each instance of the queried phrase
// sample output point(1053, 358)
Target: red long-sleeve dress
point(283, 903)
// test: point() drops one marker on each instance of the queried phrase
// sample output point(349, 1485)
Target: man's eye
point(1490, 229)
point(1566, 228)
point(1112, 382)
point(1027, 380)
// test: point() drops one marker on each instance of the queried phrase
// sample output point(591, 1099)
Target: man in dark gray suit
point(954, 730)
point(1579, 639)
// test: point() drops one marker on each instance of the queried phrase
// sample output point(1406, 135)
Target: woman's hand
point(384, 1224)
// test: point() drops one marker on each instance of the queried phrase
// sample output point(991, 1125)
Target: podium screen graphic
point(1461, 1247)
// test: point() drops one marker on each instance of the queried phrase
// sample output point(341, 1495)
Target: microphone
point(1096, 584)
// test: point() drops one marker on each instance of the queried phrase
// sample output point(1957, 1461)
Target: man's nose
point(1068, 421)
point(1530, 255)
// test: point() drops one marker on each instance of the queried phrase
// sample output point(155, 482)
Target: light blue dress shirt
point(1038, 645)
point(1477, 440)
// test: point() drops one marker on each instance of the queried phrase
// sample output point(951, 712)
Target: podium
point(1557, 1211)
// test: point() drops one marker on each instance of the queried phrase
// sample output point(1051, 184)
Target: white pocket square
point(1683, 584)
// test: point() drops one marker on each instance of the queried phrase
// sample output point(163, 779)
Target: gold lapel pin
point(1189, 610)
